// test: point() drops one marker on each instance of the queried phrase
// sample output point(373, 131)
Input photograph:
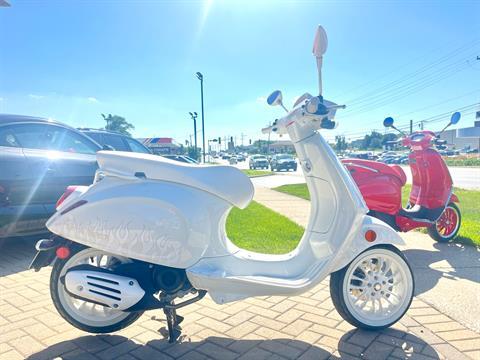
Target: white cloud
point(92, 99)
point(1, 98)
point(35, 97)
point(262, 100)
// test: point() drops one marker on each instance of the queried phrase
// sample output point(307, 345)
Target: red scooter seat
point(401, 174)
point(375, 166)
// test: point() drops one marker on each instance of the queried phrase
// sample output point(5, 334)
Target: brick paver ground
point(303, 327)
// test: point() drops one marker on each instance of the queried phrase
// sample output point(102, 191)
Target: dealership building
point(464, 138)
point(162, 145)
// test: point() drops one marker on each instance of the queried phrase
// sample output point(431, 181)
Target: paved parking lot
point(303, 327)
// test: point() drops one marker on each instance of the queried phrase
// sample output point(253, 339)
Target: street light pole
point(200, 77)
point(194, 118)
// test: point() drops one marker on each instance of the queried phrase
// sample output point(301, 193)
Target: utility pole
point(194, 118)
point(200, 77)
point(242, 136)
point(411, 127)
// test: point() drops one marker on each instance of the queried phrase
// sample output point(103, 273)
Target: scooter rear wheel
point(85, 315)
point(375, 290)
point(448, 224)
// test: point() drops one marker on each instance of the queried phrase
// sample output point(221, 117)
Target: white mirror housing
point(320, 43)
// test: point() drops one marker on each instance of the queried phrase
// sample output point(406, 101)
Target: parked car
point(258, 162)
point(240, 157)
point(233, 160)
point(115, 141)
point(181, 158)
point(283, 162)
point(39, 158)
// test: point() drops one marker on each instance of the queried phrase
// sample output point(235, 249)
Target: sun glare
point(207, 4)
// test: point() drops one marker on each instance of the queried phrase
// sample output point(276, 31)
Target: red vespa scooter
point(431, 203)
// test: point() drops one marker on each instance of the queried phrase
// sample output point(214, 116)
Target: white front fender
point(384, 235)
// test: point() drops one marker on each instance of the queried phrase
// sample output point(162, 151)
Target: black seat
point(419, 212)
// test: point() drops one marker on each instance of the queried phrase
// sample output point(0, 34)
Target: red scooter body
point(381, 185)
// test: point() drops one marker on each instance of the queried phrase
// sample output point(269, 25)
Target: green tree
point(118, 124)
point(340, 143)
point(374, 140)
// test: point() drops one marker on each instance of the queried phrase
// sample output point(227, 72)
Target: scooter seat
point(377, 167)
point(226, 182)
point(419, 212)
point(400, 173)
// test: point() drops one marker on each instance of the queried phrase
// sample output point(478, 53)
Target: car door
point(136, 146)
point(19, 215)
point(115, 141)
point(58, 157)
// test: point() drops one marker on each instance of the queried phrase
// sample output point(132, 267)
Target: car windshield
point(284, 157)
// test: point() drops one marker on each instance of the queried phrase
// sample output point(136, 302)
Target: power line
point(401, 92)
point(448, 56)
point(469, 43)
point(433, 119)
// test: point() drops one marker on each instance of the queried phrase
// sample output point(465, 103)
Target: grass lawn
point(259, 229)
point(469, 207)
point(255, 173)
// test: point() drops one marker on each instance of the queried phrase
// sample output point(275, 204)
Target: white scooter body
point(162, 212)
point(154, 232)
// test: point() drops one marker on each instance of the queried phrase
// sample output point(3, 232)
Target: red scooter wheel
point(448, 224)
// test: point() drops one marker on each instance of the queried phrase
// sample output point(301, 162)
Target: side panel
point(152, 221)
point(381, 192)
point(385, 235)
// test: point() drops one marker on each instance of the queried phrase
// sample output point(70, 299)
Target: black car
point(283, 162)
point(39, 158)
point(115, 141)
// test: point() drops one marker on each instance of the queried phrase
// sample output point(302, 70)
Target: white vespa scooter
point(149, 231)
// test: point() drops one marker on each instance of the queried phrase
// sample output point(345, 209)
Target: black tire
point(336, 292)
point(435, 234)
point(54, 281)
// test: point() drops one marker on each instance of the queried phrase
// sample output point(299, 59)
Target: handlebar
point(316, 112)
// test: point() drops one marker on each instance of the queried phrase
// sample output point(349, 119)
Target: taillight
point(66, 194)
point(62, 252)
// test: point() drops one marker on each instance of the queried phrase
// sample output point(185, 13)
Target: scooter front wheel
point(84, 315)
point(375, 290)
point(448, 224)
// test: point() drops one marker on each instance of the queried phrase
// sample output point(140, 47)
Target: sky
point(73, 60)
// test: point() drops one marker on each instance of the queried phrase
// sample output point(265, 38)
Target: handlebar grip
point(267, 129)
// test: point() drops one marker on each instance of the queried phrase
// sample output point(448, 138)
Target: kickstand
point(173, 321)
